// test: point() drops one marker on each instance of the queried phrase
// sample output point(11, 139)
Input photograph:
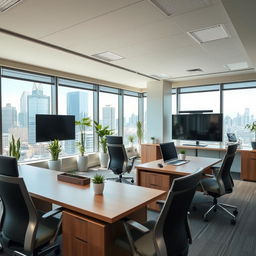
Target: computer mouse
point(160, 165)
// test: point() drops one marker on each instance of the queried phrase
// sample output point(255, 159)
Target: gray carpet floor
point(218, 237)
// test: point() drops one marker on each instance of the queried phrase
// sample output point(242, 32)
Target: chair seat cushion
point(46, 230)
point(145, 245)
point(210, 185)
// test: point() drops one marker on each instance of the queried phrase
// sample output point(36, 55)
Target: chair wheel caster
point(233, 222)
point(235, 212)
point(1, 248)
point(132, 181)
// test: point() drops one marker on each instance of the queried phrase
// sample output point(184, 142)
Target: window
point(174, 101)
point(130, 116)
point(108, 108)
point(145, 114)
point(200, 98)
point(22, 99)
point(239, 109)
point(77, 102)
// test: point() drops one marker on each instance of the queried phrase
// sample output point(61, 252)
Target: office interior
point(120, 62)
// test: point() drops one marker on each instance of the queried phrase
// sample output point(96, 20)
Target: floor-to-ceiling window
point(76, 98)
point(23, 96)
point(174, 101)
point(239, 109)
point(131, 106)
point(200, 98)
point(108, 108)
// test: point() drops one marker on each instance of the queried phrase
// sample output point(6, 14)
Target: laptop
point(169, 154)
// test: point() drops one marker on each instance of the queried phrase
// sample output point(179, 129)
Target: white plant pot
point(182, 156)
point(82, 163)
point(103, 159)
point(55, 164)
point(98, 188)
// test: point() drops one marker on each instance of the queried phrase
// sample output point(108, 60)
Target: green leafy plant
point(252, 128)
point(102, 132)
point(182, 151)
point(54, 148)
point(83, 123)
point(139, 131)
point(14, 148)
point(131, 138)
point(98, 179)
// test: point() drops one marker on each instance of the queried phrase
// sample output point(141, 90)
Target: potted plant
point(153, 140)
point(131, 139)
point(14, 148)
point(54, 148)
point(182, 154)
point(252, 128)
point(82, 159)
point(139, 134)
point(98, 183)
point(102, 132)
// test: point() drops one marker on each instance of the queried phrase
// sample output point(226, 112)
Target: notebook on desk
point(169, 154)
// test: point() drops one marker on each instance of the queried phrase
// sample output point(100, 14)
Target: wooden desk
point(88, 219)
point(151, 176)
point(151, 152)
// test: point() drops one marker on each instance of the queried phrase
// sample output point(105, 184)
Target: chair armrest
point(208, 175)
point(188, 229)
point(52, 213)
point(132, 158)
point(160, 202)
point(137, 226)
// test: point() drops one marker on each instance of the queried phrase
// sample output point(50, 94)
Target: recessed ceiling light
point(237, 66)
point(209, 34)
point(164, 6)
point(194, 70)
point(161, 76)
point(7, 4)
point(108, 56)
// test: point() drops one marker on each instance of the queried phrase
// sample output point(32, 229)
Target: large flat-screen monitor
point(199, 127)
point(51, 127)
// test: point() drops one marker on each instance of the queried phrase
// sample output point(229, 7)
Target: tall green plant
point(102, 133)
point(14, 148)
point(54, 148)
point(252, 128)
point(83, 123)
point(140, 131)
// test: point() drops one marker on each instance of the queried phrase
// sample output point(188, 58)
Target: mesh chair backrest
point(8, 166)
point(171, 230)
point(224, 176)
point(19, 215)
point(114, 139)
point(117, 158)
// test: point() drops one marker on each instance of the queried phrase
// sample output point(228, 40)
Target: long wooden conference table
point(150, 175)
point(90, 222)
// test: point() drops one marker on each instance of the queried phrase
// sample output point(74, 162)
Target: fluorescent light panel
point(7, 4)
point(237, 66)
point(163, 5)
point(161, 76)
point(209, 34)
point(108, 56)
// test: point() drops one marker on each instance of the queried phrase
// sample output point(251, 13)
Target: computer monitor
point(168, 151)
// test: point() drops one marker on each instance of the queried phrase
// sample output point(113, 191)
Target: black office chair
point(221, 183)
point(119, 163)
point(170, 235)
point(24, 230)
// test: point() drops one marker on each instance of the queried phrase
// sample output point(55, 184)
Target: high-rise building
point(37, 103)
point(9, 117)
point(77, 105)
point(23, 115)
point(108, 116)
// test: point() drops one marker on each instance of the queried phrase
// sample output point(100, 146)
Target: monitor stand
point(196, 145)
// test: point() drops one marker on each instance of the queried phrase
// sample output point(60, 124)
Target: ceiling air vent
point(7, 4)
point(195, 70)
